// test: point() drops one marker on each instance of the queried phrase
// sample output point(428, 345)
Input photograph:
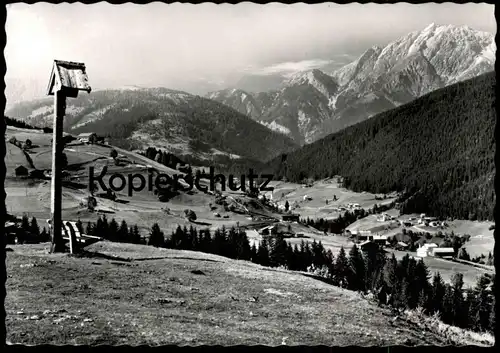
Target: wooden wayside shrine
point(66, 80)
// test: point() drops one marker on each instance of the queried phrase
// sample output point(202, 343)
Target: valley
point(315, 200)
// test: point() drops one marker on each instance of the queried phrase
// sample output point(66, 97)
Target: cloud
point(289, 67)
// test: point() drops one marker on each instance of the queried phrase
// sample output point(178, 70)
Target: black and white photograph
point(250, 174)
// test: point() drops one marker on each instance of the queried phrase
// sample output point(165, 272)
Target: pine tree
point(105, 228)
point(290, 257)
point(342, 271)
point(277, 251)
point(459, 314)
point(156, 237)
point(122, 233)
point(357, 273)
point(44, 235)
point(484, 300)
point(218, 242)
point(137, 239)
point(243, 245)
point(402, 301)
point(391, 278)
point(253, 253)
point(287, 206)
point(448, 310)
point(34, 229)
point(492, 323)
point(263, 252)
point(25, 223)
point(437, 293)
point(113, 230)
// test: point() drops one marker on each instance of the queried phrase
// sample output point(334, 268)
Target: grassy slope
point(60, 299)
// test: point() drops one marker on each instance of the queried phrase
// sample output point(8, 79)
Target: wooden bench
point(72, 235)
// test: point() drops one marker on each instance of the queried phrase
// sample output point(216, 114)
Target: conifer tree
point(459, 315)
point(357, 273)
point(25, 223)
point(207, 240)
point(447, 314)
point(484, 300)
point(113, 230)
point(402, 301)
point(44, 235)
point(253, 253)
point(342, 270)
point(263, 252)
point(34, 229)
point(218, 242)
point(492, 321)
point(136, 235)
point(277, 251)
point(104, 227)
point(156, 237)
point(122, 233)
point(437, 293)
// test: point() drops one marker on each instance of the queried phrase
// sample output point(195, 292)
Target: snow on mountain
point(312, 104)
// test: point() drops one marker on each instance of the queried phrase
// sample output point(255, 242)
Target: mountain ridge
point(174, 120)
point(381, 78)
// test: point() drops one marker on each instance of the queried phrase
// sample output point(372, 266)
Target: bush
point(190, 215)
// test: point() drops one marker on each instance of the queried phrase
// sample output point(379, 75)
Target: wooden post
point(56, 185)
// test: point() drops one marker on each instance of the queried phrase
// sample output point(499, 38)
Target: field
point(143, 208)
point(163, 296)
point(319, 193)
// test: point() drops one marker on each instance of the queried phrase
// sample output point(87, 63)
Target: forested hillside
point(438, 149)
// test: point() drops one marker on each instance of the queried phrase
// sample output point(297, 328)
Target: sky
point(206, 46)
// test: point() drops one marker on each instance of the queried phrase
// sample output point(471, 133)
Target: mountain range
point(175, 121)
point(312, 104)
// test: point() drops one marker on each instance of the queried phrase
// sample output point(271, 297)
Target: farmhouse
point(379, 239)
point(401, 245)
point(443, 252)
point(88, 137)
point(21, 171)
point(364, 235)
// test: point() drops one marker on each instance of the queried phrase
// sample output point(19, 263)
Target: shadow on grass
point(96, 255)
point(202, 223)
point(122, 201)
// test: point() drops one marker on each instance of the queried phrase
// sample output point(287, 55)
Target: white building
point(426, 250)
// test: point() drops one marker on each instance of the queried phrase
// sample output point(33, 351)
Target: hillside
point(439, 148)
point(229, 302)
point(312, 104)
point(176, 121)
